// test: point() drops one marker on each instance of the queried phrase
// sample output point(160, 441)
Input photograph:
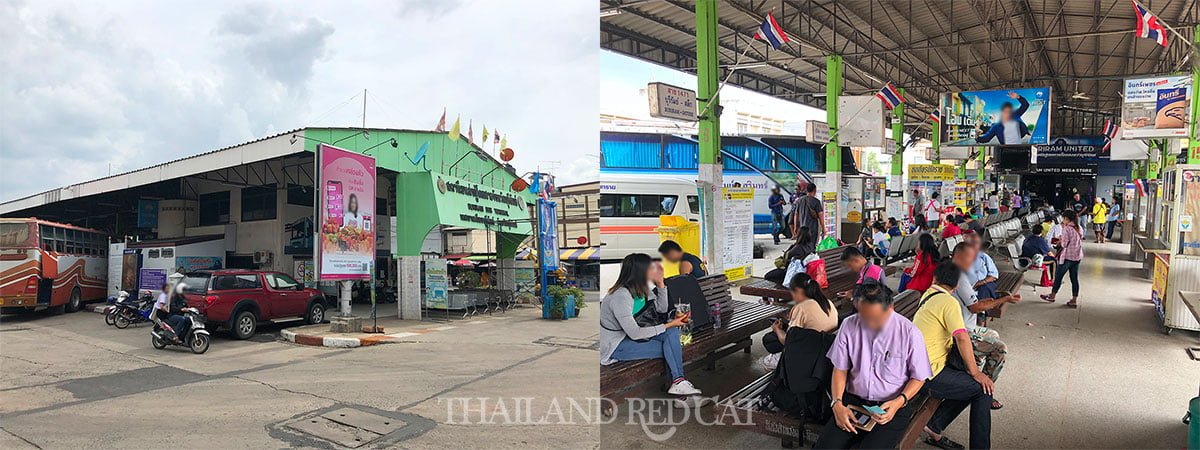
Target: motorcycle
point(126, 312)
point(197, 337)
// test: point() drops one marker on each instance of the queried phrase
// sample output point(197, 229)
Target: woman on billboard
point(1010, 129)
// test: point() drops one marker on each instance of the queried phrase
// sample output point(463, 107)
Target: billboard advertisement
point(548, 233)
point(346, 210)
point(995, 118)
point(1156, 107)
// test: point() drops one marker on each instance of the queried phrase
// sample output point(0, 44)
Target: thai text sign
point(346, 210)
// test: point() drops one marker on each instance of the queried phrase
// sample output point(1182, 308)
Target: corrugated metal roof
point(925, 46)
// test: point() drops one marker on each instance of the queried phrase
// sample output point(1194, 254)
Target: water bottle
point(716, 316)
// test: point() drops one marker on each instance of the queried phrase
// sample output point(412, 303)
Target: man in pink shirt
point(854, 259)
point(879, 360)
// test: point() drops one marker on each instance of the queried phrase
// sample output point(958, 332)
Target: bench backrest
point(906, 303)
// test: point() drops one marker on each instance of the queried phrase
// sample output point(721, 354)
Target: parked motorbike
point(197, 337)
point(126, 312)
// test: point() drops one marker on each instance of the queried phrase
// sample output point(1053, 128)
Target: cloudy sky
point(88, 87)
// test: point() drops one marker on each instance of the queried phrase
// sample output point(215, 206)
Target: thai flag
point(771, 32)
point(936, 116)
point(1148, 25)
point(890, 96)
point(1107, 147)
point(1110, 129)
point(1141, 187)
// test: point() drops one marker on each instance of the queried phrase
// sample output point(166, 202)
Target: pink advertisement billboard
point(346, 242)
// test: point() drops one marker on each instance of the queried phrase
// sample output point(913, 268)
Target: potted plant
point(566, 301)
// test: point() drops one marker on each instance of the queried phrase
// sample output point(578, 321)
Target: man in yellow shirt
point(1099, 217)
point(959, 383)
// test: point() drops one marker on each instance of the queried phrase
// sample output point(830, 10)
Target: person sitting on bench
point(956, 379)
point(798, 347)
point(879, 359)
point(1036, 244)
point(983, 272)
point(921, 271)
point(622, 338)
point(689, 264)
point(854, 260)
point(951, 229)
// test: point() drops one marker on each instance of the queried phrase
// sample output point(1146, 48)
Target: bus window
point(693, 204)
point(14, 235)
point(637, 205)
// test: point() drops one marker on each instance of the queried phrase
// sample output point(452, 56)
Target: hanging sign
point(671, 102)
point(1156, 107)
point(816, 132)
point(995, 118)
point(930, 172)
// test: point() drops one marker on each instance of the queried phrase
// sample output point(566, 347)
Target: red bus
point(51, 265)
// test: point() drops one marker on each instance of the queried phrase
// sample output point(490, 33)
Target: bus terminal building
point(251, 206)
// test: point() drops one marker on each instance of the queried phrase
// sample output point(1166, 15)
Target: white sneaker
point(683, 387)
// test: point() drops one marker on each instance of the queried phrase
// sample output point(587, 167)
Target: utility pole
point(897, 179)
point(833, 151)
point(707, 86)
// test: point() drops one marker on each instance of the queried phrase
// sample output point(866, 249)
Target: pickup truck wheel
point(244, 324)
point(316, 313)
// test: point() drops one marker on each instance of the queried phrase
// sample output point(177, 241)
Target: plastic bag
point(816, 270)
point(1046, 280)
point(827, 243)
point(793, 268)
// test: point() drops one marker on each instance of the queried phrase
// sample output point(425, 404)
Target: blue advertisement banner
point(996, 118)
point(194, 263)
point(152, 279)
point(548, 233)
point(1085, 147)
point(147, 213)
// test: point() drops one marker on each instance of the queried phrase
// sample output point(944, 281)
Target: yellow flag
point(485, 134)
point(454, 129)
point(504, 142)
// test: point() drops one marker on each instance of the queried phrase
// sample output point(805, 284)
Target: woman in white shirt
point(351, 217)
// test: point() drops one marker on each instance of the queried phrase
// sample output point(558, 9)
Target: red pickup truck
point(239, 299)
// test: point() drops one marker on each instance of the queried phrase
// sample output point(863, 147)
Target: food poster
point(346, 212)
point(1156, 107)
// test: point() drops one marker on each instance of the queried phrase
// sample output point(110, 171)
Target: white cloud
point(89, 84)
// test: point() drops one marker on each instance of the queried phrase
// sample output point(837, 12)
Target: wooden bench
point(1007, 282)
point(840, 277)
point(739, 321)
point(744, 409)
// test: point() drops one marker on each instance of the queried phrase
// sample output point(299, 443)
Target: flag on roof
point(503, 142)
point(935, 116)
point(454, 129)
point(771, 32)
point(496, 140)
point(1110, 129)
point(485, 135)
point(890, 95)
point(441, 126)
point(1148, 25)
point(471, 132)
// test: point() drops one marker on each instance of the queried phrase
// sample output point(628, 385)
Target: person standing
point(776, 203)
point(1099, 218)
point(918, 204)
point(807, 211)
point(933, 210)
point(1114, 216)
point(993, 203)
point(1068, 258)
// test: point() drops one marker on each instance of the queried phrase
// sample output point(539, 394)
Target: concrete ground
point(1101, 376)
point(70, 381)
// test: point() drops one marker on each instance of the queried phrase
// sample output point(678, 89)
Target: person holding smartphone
point(879, 361)
point(640, 286)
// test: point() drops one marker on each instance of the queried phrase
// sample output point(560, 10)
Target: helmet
point(179, 288)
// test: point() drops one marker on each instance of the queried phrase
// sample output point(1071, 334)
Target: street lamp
point(365, 134)
point(389, 141)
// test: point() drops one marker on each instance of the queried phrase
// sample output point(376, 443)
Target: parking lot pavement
point(70, 381)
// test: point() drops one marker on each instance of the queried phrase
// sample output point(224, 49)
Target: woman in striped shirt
point(1069, 257)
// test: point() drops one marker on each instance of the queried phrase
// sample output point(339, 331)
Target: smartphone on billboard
point(333, 201)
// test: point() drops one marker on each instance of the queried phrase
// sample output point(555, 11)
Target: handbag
point(1047, 281)
point(648, 316)
point(793, 268)
point(816, 270)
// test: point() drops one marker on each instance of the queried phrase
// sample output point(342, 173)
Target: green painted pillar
point(1193, 153)
point(981, 172)
point(898, 137)
point(936, 140)
point(962, 170)
point(833, 151)
point(707, 84)
point(1154, 163)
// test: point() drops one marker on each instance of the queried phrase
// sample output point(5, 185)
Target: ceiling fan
point(1079, 95)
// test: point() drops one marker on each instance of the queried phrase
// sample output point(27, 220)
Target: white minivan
point(630, 206)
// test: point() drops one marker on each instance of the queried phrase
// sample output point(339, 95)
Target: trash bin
point(684, 233)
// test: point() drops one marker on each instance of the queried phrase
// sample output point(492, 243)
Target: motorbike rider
point(172, 306)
